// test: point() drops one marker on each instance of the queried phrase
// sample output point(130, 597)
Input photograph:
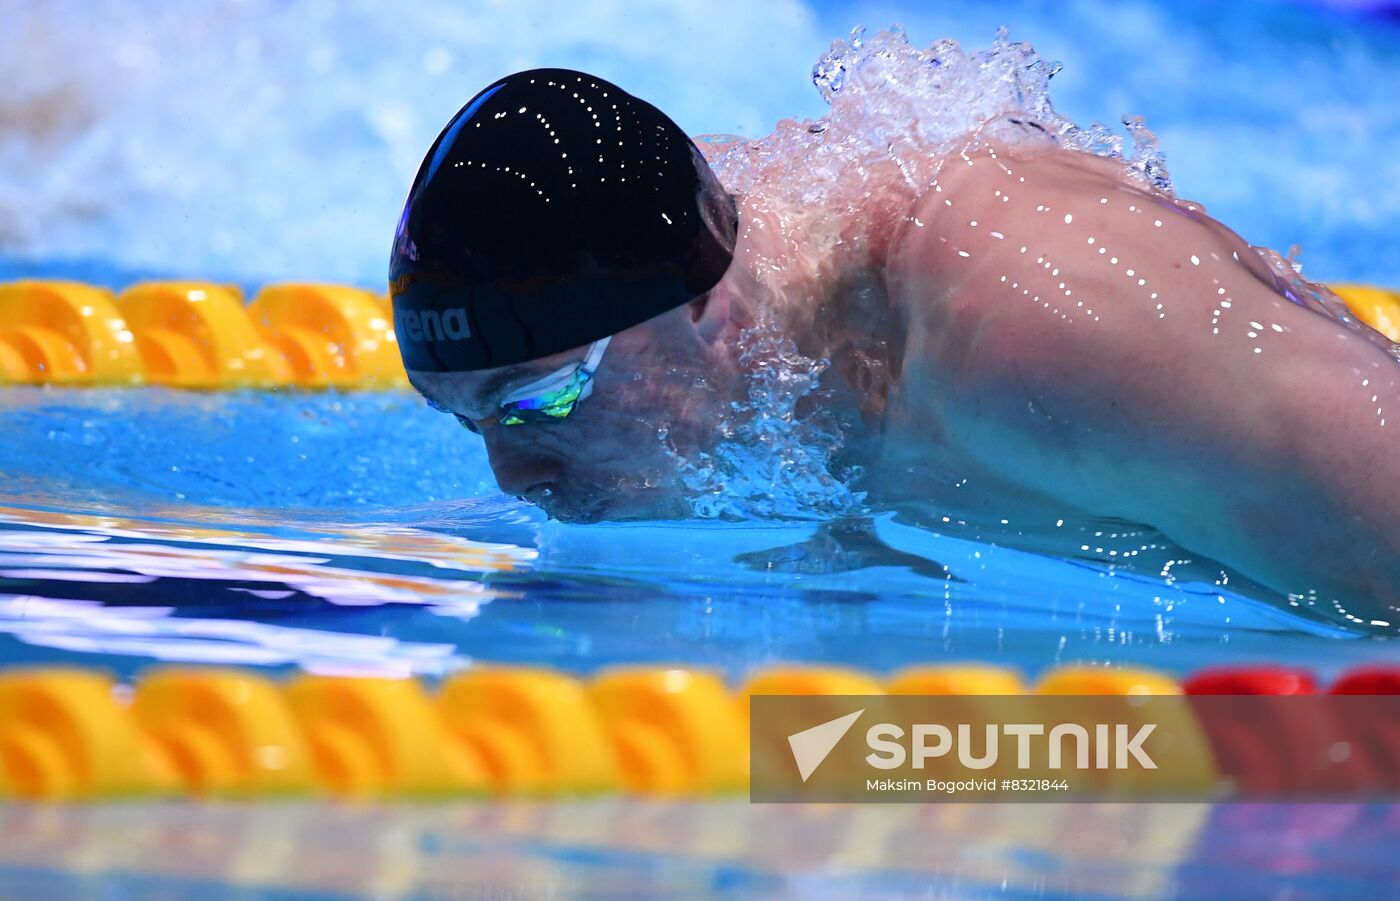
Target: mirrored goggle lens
point(552, 406)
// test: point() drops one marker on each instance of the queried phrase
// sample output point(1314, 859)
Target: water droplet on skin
point(895, 112)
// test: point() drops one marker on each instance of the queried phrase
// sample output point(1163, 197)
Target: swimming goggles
point(548, 399)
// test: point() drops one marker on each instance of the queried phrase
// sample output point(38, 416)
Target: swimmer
point(1033, 337)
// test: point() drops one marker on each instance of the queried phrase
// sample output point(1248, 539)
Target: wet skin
point(1085, 350)
point(1088, 345)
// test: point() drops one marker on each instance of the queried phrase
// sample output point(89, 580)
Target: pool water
point(359, 532)
point(363, 533)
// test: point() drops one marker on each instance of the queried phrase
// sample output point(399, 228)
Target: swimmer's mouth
point(613, 509)
point(596, 513)
point(569, 511)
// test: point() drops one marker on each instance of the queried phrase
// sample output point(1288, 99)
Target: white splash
point(773, 463)
point(894, 110)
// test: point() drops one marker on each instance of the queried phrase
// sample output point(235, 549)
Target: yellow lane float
point(330, 335)
point(191, 334)
point(228, 733)
point(493, 730)
point(198, 335)
point(64, 333)
point(1377, 307)
point(64, 736)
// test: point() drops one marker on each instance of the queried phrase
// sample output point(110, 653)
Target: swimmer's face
point(659, 393)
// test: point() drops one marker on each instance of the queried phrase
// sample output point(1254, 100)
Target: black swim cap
point(554, 210)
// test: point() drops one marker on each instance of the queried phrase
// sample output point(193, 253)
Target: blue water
point(363, 533)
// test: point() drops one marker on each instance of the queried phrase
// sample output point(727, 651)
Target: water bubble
point(829, 74)
point(1146, 160)
point(771, 463)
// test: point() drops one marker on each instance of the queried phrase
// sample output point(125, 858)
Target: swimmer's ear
point(709, 312)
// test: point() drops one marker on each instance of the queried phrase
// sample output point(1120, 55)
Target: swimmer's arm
point(1273, 461)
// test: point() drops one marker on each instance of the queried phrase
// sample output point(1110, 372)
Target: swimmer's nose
point(530, 479)
point(537, 492)
point(523, 465)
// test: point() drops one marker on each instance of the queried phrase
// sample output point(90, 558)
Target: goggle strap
point(560, 378)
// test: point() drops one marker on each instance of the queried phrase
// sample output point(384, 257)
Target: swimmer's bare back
point(1089, 344)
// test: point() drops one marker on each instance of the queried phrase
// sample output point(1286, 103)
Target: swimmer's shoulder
point(982, 197)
